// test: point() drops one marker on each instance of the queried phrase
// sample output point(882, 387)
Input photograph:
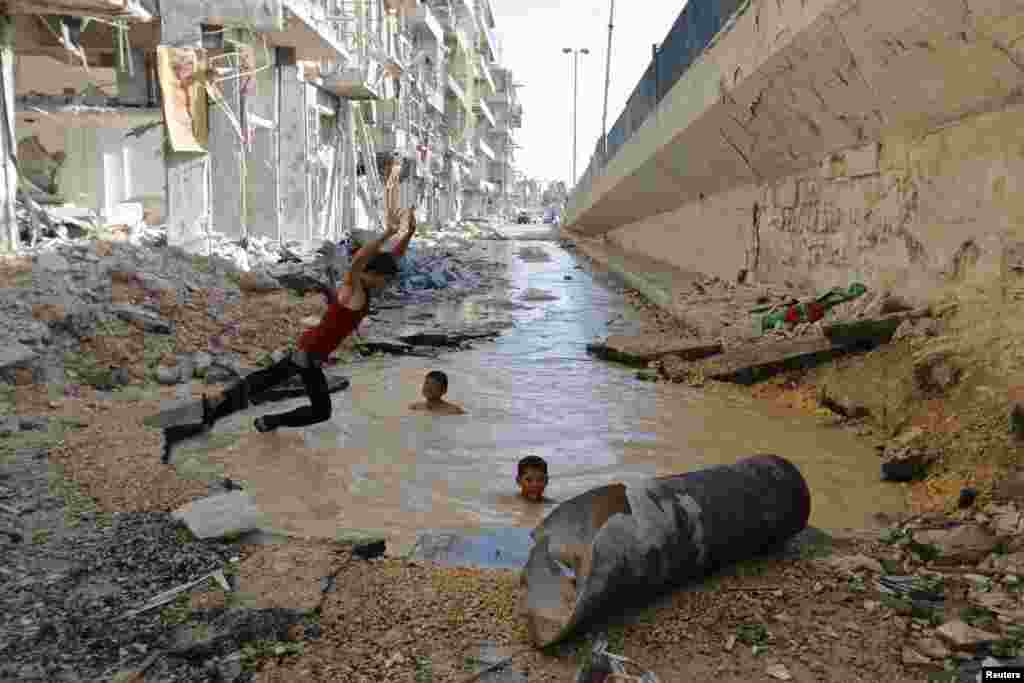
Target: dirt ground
point(392, 620)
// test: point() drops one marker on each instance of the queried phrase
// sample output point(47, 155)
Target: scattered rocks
point(1009, 564)
point(855, 563)
point(533, 254)
point(1011, 488)
point(962, 635)
point(533, 294)
point(226, 514)
point(221, 632)
point(932, 647)
point(935, 373)
point(149, 321)
point(168, 375)
point(914, 328)
point(964, 543)
point(778, 672)
point(841, 406)
point(913, 658)
point(904, 461)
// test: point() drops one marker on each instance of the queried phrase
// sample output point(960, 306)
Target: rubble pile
point(65, 295)
point(955, 582)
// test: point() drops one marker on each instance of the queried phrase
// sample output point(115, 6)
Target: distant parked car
point(523, 218)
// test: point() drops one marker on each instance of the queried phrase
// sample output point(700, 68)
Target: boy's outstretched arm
point(399, 250)
point(393, 224)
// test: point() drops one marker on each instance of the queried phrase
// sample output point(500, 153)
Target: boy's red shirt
point(339, 321)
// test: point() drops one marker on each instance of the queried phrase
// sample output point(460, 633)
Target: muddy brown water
point(377, 466)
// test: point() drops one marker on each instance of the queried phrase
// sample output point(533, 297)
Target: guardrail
point(697, 25)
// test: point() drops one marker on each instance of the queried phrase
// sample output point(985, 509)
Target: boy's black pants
point(319, 410)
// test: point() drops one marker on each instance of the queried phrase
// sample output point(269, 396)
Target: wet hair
point(532, 462)
point(439, 377)
point(383, 264)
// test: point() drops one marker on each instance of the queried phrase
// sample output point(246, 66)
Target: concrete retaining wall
point(827, 141)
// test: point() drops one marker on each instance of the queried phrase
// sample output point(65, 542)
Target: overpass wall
point(824, 141)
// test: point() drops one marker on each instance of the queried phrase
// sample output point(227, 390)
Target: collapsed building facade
point(255, 119)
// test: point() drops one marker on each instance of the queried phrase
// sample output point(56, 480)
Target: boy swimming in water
point(435, 386)
point(532, 478)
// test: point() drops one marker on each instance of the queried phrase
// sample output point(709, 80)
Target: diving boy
point(435, 386)
point(347, 306)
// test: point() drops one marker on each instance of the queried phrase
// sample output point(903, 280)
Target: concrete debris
point(642, 349)
point(533, 254)
point(855, 563)
point(533, 294)
point(227, 514)
point(965, 543)
point(45, 313)
point(964, 636)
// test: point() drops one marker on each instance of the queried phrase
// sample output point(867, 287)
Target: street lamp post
point(575, 92)
point(607, 81)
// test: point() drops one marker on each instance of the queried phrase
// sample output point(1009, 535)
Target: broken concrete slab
point(393, 347)
point(533, 294)
point(964, 636)
point(226, 514)
point(642, 349)
point(964, 543)
point(14, 356)
point(150, 321)
point(494, 548)
point(757, 363)
point(446, 339)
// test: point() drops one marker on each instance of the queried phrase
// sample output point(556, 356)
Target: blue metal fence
point(698, 23)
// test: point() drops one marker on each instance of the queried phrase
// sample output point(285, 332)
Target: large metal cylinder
point(618, 547)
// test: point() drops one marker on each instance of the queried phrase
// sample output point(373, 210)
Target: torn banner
point(182, 74)
point(615, 548)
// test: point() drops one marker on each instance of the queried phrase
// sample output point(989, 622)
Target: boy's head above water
point(532, 477)
point(435, 386)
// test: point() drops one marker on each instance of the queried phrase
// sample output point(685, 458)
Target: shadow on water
point(533, 391)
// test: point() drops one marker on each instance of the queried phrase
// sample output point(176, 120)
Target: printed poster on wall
point(181, 72)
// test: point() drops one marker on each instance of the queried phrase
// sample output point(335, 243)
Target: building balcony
point(307, 30)
point(392, 138)
point(485, 72)
point(355, 83)
point(485, 149)
point(499, 98)
point(456, 90)
point(481, 108)
point(489, 43)
point(132, 10)
point(424, 18)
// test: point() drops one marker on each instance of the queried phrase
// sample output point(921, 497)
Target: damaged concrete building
point(254, 119)
point(822, 142)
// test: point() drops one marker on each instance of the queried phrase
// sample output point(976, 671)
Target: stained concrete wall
point(825, 141)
